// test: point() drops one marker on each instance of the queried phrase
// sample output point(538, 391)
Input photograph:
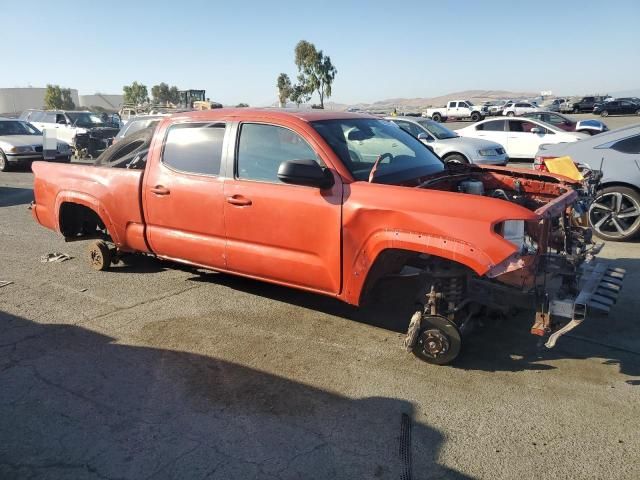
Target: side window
point(410, 128)
point(628, 145)
point(194, 147)
point(493, 126)
point(515, 126)
point(452, 104)
point(60, 119)
point(462, 105)
point(49, 117)
point(262, 148)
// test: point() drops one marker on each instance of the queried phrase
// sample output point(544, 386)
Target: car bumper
point(36, 157)
point(492, 160)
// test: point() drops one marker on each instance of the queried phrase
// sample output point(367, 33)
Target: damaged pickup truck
point(332, 203)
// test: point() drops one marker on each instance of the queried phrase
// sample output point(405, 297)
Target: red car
point(332, 203)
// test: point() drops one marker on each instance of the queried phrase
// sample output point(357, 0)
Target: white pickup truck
point(458, 109)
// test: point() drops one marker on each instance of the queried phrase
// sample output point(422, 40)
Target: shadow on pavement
point(75, 404)
point(10, 196)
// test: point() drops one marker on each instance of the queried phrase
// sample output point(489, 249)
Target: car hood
point(20, 140)
point(470, 142)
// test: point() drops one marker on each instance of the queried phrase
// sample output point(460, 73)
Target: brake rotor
point(439, 340)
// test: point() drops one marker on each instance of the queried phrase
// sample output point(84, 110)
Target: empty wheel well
point(79, 221)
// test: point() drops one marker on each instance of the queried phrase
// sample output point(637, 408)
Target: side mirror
point(536, 130)
point(423, 137)
point(305, 172)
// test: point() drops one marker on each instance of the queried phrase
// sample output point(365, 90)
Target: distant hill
point(419, 104)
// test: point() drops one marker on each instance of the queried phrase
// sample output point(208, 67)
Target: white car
point(21, 144)
point(521, 137)
point(450, 146)
point(520, 108)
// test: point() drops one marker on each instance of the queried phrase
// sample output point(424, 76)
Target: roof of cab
point(307, 115)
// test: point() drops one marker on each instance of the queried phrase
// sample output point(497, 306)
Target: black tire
point(99, 255)
point(456, 158)
point(615, 214)
point(439, 341)
point(604, 113)
point(475, 117)
point(4, 163)
point(511, 114)
point(436, 117)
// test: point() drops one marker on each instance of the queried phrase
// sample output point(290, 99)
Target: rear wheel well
point(78, 220)
point(602, 186)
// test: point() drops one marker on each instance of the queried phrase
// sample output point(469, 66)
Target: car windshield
point(361, 142)
point(85, 119)
point(17, 127)
point(439, 131)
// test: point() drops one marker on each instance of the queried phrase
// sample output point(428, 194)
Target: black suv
point(587, 104)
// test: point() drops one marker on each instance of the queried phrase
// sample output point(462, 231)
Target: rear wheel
point(615, 214)
point(456, 158)
point(510, 114)
point(604, 113)
point(436, 117)
point(99, 255)
point(438, 341)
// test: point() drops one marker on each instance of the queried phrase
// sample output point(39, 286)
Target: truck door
point(284, 233)
point(452, 110)
point(183, 194)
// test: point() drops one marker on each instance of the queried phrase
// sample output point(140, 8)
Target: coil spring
point(453, 289)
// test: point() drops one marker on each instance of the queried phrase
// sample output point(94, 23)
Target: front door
point(183, 194)
point(283, 233)
point(521, 141)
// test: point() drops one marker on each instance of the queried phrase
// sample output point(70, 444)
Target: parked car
point(458, 109)
point(615, 213)
point(331, 202)
point(590, 127)
point(495, 107)
point(85, 131)
point(520, 137)
point(450, 146)
point(137, 123)
point(520, 108)
point(617, 107)
point(21, 144)
point(586, 104)
point(558, 105)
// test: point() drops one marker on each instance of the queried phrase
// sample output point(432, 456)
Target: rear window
point(628, 145)
point(493, 126)
point(194, 147)
point(140, 125)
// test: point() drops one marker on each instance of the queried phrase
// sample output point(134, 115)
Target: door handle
point(239, 200)
point(160, 190)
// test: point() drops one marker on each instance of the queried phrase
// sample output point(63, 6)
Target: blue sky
point(382, 49)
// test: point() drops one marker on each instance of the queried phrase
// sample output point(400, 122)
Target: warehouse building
point(14, 101)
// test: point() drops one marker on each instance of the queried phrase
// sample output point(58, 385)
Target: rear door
point(183, 194)
point(283, 233)
point(493, 130)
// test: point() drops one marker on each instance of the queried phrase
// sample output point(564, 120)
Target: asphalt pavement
point(156, 371)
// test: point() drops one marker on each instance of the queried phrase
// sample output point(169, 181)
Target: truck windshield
point(85, 119)
point(439, 131)
point(360, 142)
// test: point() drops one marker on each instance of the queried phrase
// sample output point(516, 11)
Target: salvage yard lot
point(156, 371)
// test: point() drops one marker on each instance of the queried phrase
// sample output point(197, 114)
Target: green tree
point(163, 93)
point(299, 94)
point(56, 98)
point(316, 72)
point(284, 89)
point(136, 93)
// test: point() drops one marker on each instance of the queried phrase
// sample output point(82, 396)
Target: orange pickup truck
point(331, 203)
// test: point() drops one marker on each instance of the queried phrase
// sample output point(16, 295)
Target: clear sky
point(382, 49)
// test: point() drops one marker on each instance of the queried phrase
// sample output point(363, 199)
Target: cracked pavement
point(160, 372)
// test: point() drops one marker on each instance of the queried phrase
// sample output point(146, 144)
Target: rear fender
point(88, 201)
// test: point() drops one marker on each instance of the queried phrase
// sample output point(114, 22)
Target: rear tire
point(436, 117)
point(604, 113)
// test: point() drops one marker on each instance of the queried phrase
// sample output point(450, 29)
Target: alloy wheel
point(615, 215)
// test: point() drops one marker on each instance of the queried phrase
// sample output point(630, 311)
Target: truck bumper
point(599, 284)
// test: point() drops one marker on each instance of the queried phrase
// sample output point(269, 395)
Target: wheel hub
point(434, 343)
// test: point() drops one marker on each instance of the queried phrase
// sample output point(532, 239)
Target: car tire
point(475, 117)
point(615, 214)
point(511, 114)
point(456, 158)
point(604, 113)
point(436, 117)
point(99, 255)
point(638, 113)
point(4, 163)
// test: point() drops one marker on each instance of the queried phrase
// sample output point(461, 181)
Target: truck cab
point(458, 109)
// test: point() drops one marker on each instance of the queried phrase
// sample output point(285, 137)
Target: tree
point(316, 72)
point(136, 93)
point(284, 89)
point(299, 94)
point(163, 93)
point(56, 98)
